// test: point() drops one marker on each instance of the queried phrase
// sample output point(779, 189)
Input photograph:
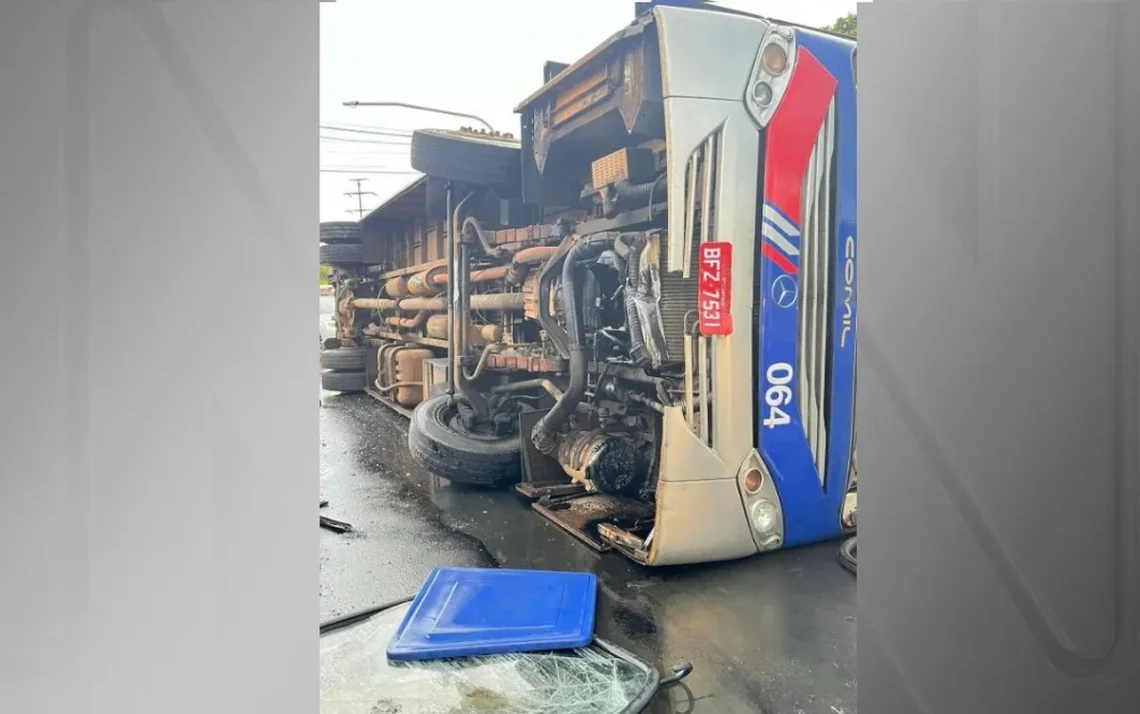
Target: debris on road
point(335, 526)
point(560, 606)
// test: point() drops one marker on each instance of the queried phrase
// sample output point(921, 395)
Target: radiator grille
point(814, 327)
point(679, 294)
point(678, 305)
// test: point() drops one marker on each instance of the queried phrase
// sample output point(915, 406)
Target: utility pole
point(359, 210)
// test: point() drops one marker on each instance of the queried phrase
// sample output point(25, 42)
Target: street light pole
point(422, 108)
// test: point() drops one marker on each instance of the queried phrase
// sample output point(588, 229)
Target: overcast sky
point(480, 58)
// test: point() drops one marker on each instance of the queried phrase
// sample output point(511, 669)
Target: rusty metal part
point(373, 303)
point(620, 536)
point(400, 369)
point(651, 403)
point(449, 255)
point(437, 326)
point(415, 304)
point(629, 164)
point(489, 301)
point(375, 331)
point(526, 259)
point(540, 383)
point(413, 269)
point(408, 370)
point(345, 314)
point(422, 285)
point(410, 323)
point(396, 287)
point(618, 81)
point(599, 460)
point(459, 291)
point(531, 296)
point(384, 364)
point(487, 275)
point(526, 361)
point(398, 385)
point(482, 275)
point(527, 234)
point(497, 301)
point(543, 298)
point(482, 364)
point(472, 229)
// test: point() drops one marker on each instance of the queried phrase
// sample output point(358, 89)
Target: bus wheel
point(340, 232)
point(467, 157)
point(344, 359)
point(440, 443)
point(342, 254)
point(343, 381)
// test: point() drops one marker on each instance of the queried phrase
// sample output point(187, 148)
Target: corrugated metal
point(678, 301)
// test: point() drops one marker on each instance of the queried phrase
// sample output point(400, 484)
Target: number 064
point(778, 394)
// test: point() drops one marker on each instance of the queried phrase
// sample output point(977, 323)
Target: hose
point(625, 192)
point(482, 363)
point(475, 227)
point(544, 433)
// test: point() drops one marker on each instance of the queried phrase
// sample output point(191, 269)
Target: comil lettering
point(848, 290)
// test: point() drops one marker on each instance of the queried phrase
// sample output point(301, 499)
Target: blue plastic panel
point(462, 612)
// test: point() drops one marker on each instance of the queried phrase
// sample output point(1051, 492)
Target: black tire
point(439, 445)
point(342, 254)
point(336, 232)
point(343, 381)
point(848, 555)
point(466, 157)
point(344, 359)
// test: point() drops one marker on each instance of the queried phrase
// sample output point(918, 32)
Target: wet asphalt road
point(772, 634)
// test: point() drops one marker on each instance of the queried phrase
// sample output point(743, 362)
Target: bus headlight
point(774, 59)
point(762, 94)
point(764, 516)
point(761, 502)
point(770, 74)
point(753, 480)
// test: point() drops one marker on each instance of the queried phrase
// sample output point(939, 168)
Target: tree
point(846, 25)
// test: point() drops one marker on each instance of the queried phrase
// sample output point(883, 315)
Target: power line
point(373, 127)
point(365, 141)
point(407, 135)
point(348, 125)
point(367, 171)
point(362, 152)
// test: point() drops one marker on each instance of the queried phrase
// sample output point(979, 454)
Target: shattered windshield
point(356, 678)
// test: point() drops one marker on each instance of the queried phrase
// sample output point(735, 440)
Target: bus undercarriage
point(578, 313)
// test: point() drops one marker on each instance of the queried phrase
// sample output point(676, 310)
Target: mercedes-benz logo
point(785, 290)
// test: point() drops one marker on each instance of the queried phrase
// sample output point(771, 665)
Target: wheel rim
point(451, 418)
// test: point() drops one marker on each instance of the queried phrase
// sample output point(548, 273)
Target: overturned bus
point(641, 312)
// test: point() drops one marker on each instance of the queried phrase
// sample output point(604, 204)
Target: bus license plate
point(713, 284)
